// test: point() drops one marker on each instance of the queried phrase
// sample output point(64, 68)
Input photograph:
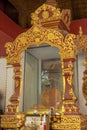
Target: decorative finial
point(80, 31)
point(52, 2)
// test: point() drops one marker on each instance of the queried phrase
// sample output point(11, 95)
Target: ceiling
point(20, 10)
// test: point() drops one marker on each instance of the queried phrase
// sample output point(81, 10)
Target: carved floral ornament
point(48, 13)
point(45, 13)
point(38, 35)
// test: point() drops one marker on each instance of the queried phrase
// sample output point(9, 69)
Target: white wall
point(9, 83)
point(3, 82)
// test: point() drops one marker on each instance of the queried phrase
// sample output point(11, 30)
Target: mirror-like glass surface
point(43, 78)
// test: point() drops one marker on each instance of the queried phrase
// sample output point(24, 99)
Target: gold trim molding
point(71, 122)
point(38, 35)
point(13, 121)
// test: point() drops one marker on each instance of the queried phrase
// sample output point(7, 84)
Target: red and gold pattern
point(13, 121)
point(68, 45)
point(52, 17)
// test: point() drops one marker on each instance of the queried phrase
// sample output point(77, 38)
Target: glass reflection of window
point(51, 73)
point(51, 82)
point(43, 79)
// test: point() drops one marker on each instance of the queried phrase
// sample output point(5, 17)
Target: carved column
point(69, 98)
point(68, 55)
point(17, 78)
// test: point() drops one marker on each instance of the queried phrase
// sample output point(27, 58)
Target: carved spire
point(80, 31)
point(52, 2)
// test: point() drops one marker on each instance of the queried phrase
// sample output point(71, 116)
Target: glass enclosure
point(43, 82)
point(43, 78)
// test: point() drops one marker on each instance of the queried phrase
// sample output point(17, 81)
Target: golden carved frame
point(68, 45)
point(38, 35)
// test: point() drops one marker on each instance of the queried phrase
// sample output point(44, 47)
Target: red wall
point(8, 31)
point(8, 26)
point(75, 24)
point(3, 39)
point(2, 5)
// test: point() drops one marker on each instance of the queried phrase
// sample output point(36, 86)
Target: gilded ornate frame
point(38, 35)
point(68, 45)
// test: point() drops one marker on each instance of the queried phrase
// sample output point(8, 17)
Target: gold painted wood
point(69, 45)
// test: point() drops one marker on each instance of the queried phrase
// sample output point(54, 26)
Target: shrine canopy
point(50, 16)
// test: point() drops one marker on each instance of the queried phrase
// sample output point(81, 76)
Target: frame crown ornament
point(48, 14)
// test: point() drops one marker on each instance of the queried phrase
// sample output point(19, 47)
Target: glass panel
point(51, 82)
point(43, 78)
point(30, 81)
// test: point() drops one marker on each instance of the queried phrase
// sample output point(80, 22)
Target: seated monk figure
point(50, 97)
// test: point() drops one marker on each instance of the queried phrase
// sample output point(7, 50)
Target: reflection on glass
point(43, 78)
point(51, 82)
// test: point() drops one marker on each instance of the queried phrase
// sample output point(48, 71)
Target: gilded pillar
point(68, 55)
point(69, 98)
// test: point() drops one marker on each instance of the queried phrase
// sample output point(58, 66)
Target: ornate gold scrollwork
point(69, 48)
point(48, 13)
point(71, 92)
point(71, 122)
point(36, 35)
point(13, 121)
point(70, 77)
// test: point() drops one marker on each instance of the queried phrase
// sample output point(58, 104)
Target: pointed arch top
point(36, 35)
